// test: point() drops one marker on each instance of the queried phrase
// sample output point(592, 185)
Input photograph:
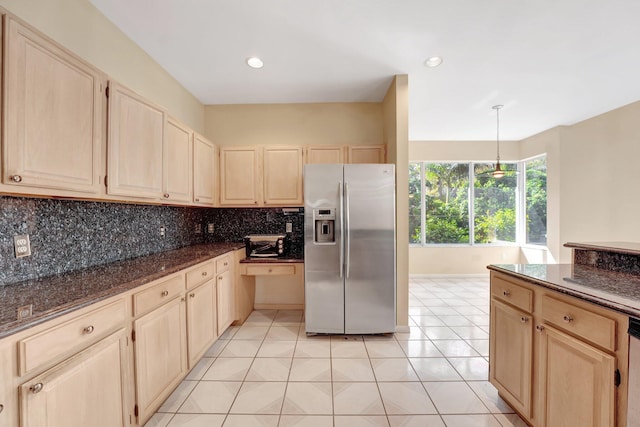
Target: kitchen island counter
point(53, 296)
point(611, 289)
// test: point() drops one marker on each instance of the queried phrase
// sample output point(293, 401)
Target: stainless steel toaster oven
point(266, 245)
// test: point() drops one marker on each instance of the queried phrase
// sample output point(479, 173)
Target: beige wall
point(599, 175)
point(460, 260)
point(396, 127)
point(81, 28)
point(297, 124)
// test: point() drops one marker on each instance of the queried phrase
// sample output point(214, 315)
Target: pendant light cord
point(497, 108)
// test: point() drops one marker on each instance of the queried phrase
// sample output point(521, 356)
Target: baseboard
point(402, 329)
point(278, 306)
point(449, 276)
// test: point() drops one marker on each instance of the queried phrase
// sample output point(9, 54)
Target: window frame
point(520, 206)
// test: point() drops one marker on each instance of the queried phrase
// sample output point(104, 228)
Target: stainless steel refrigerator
point(350, 248)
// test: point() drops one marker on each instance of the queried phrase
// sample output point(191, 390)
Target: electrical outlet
point(162, 231)
point(21, 245)
point(210, 228)
point(198, 229)
point(25, 311)
point(289, 228)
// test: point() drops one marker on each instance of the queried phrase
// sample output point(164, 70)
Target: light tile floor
point(268, 373)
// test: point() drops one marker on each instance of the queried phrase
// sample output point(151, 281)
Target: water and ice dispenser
point(324, 221)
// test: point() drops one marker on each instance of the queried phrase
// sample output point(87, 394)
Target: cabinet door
point(322, 154)
point(52, 116)
point(510, 355)
point(226, 301)
point(283, 176)
point(204, 171)
point(160, 355)
point(201, 320)
point(577, 382)
point(240, 176)
point(366, 154)
point(178, 159)
point(135, 145)
point(87, 390)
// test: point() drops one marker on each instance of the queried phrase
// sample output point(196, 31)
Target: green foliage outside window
point(446, 203)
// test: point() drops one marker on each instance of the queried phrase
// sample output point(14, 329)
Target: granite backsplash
point(68, 235)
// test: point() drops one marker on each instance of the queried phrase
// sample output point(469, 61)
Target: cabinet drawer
point(201, 274)
point(268, 269)
point(223, 263)
point(512, 294)
point(158, 294)
point(598, 329)
point(72, 336)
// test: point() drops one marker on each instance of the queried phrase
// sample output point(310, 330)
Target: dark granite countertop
point(616, 290)
point(54, 296)
point(629, 248)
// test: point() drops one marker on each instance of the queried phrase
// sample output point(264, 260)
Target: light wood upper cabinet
point(205, 158)
point(135, 145)
point(577, 382)
point(240, 176)
point(160, 355)
point(87, 390)
point(367, 154)
point(282, 175)
point(178, 163)
point(52, 110)
point(325, 154)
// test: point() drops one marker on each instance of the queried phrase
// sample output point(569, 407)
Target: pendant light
point(498, 172)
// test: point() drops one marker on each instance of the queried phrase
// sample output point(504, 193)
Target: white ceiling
point(550, 62)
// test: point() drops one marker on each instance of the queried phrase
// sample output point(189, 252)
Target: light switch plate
point(21, 245)
point(289, 228)
point(210, 228)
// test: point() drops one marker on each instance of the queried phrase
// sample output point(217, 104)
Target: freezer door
point(323, 271)
point(370, 243)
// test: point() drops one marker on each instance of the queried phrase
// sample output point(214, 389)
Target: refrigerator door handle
point(347, 228)
point(341, 231)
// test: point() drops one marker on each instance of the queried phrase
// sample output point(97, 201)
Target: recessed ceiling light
point(255, 62)
point(433, 62)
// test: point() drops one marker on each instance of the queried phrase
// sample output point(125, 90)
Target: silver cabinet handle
point(204, 274)
point(16, 178)
point(164, 293)
point(166, 195)
point(567, 318)
point(524, 319)
point(539, 328)
point(36, 388)
point(226, 263)
point(219, 277)
point(192, 295)
point(506, 293)
point(88, 329)
point(197, 199)
point(1, 407)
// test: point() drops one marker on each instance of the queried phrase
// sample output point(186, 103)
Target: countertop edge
point(603, 302)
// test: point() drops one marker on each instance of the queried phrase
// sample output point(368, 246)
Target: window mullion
point(472, 186)
point(423, 209)
point(521, 208)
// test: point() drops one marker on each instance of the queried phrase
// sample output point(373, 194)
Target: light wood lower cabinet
point(160, 355)
point(226, 300)
point(577, 382)
point(201, 320)
point(86, 390)
point(511, 354)
point(560, 363)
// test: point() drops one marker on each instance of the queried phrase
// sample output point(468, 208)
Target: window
point(443, 210)
point(536, 200)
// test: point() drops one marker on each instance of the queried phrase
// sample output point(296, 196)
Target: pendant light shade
point(498, 172)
